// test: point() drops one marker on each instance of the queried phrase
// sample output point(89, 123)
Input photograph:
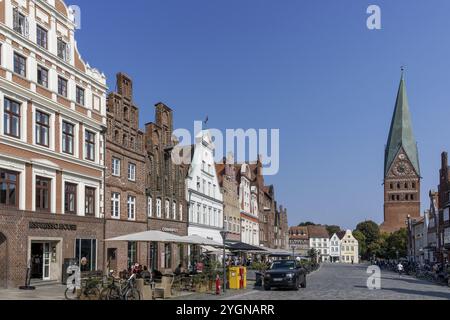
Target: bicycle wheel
point(113, 293)
point(132, 294)
point(92, 293)
point(104, 294)
point(72, 294)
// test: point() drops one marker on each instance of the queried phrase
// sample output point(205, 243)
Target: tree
point(305, 224)
point(370, 229)
point(312, 253)
point(397, 242)
point(361, 243)
point(333, 229)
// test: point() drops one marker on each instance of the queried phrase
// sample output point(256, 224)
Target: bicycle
point(88, 290)
point(123, 291)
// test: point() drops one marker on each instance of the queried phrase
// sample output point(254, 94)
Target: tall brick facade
point(444, 209)
point(126, 207)
point(165, 190)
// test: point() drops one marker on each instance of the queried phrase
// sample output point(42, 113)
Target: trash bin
point(233, 278)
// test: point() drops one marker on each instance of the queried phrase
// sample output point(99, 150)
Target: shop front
point(41, 244)
point(166, 257)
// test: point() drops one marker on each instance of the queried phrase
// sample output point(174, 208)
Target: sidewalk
point(51, 292)
point(229, 294)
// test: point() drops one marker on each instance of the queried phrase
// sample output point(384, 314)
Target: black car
point(286, 274)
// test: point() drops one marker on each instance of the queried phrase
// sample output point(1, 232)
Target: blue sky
point(310, 68)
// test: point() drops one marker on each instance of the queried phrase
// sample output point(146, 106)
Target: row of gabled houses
point(429, 235)
point(341, 247)
point(76, 169)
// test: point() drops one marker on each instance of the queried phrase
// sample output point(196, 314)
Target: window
point(20, 23)
point(63, 50)
point(115, 167)
point(89, 145)
point(181, 212)
point(43, 194)
point(9, 195)
point(90, 201)
point(168, 255)
point(204, 186)
point(41, 37)
point(131, 172)
point(11, 118)
point(86, 249)
point(167, 209)
point(62, 87)
point(67, 137)
point(174, 210)
point(198, 183)
point(20, 65)
point(149, 207)
point(131, 205)
point(70, 198)
point(115, 205)
point(413, 185)
point(203, 165)
point(80, 96)
point(158, 208)
point(42, 128)
point(42, 76)
point(132, 253)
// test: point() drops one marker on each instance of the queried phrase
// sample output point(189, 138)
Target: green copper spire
point(401, 133)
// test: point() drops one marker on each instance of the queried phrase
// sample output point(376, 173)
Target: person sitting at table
point(145, 274)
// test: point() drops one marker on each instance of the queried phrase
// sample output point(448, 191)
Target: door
point(46, 261)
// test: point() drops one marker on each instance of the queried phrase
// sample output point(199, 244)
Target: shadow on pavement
point(433, 294)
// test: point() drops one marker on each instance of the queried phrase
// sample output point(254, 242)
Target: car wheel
point(267, 288)
point(303, 284)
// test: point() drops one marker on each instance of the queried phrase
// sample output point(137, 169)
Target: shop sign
point(169, 230)
point(52, 226)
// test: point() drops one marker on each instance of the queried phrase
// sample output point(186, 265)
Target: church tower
point(401, 168)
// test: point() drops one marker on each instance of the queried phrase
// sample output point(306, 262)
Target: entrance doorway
point(3, 261)
point(40, 260)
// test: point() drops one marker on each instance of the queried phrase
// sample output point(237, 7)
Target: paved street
point(347, 282)
point(332, 281)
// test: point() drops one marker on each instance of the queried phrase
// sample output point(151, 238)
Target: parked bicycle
point(121, 290)
point(89, 290)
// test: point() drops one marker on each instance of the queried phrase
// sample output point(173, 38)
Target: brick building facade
point(226, 174)
point(444, 208)
point(165, 191)
point(126, 207)
point(53, 115)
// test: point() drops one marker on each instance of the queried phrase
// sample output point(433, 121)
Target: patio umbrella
point(152, 236)
point(195, 239)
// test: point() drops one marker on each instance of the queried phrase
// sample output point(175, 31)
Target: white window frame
point(115, 167)
point(158, 207)
point(149, 207)
point(131, 172)
point(131, 208)
point(115, 200)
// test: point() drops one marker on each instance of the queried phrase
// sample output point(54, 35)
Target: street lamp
point(224, 234)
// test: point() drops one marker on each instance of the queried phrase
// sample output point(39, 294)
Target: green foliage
point(305, 224)
point(333, 229)
point(312, 253)
point(362, 242)
point(370, 229)
point(259, 266)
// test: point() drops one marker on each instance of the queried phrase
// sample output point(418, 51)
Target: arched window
point(132, 146)
point(398, 186)
point(414, 185)
point(125, 140)
point(126, 115)
point(406, 185)
point(398, 197)
point(116, 136)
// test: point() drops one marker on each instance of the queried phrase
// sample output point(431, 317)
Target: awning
point(241, 246)
point(151, 236)
point(209, 249)
point(195, 239)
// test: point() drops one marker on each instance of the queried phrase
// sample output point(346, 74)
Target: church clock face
point(402, 169)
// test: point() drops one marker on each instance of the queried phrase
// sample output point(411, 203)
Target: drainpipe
point(104, 131)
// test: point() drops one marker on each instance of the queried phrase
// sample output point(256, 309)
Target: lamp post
point(224, 233)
